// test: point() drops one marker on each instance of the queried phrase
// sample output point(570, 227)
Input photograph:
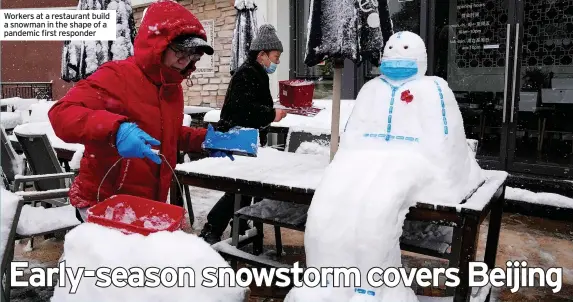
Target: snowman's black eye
point(390, 47)
point(405, 46)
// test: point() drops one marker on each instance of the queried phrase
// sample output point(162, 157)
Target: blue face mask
point(272, 68)
point(398, 69)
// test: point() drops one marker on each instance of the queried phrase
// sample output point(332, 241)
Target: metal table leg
point(235, 240)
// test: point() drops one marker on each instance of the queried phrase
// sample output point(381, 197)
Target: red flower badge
point(406, 96)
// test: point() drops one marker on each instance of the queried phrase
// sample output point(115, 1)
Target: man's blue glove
point(133, 142)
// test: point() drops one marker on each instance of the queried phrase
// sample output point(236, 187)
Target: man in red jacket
point(127, 106)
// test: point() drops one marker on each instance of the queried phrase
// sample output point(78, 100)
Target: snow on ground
point(203, 200)
point(35, 220)
point(92, 246)
point(539, 198)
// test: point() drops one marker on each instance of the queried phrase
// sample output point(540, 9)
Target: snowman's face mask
point(399, 68)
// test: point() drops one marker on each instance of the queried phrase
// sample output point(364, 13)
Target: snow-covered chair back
point(42, 159)
point(308, 141)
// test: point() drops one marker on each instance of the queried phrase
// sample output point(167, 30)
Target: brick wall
point(209, 89)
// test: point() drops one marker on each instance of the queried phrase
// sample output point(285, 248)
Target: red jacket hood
point(164, 20)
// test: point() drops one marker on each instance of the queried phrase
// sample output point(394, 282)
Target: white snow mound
point(404, 143)
point(92, 246)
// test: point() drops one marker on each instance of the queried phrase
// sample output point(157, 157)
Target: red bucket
point(131, 214)
point(296, 93)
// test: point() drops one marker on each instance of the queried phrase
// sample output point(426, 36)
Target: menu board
point(479, 33)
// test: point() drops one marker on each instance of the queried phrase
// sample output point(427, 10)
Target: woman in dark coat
point(248, 103)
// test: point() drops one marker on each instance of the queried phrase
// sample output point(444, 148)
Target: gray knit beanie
point(266, 39)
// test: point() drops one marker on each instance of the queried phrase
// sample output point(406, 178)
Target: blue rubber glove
point(133, 142)
point(220, 153)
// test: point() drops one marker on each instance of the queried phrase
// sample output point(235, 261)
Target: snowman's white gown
point(392, 154)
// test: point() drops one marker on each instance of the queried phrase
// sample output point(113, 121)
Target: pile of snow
point(9, 120)
point(36, 220)
point(549, 199)
point(8, 205)
point(92, 246)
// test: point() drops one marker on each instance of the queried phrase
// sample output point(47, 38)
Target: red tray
point(132, 214)
point(309, 111)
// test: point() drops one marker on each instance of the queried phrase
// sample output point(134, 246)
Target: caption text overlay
point(514, 276)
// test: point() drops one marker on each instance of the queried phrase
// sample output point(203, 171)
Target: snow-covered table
point(320, 122)
point(292, 177)
point(196, 109)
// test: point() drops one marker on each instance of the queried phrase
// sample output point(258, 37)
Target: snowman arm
point(452, 108)
point(365, 92)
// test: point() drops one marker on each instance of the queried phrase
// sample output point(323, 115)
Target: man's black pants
point(222, 213)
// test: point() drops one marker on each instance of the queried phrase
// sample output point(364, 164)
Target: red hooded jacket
point(139, 89)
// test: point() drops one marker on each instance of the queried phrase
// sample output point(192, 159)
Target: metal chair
point(8, 256)
point(12, 163)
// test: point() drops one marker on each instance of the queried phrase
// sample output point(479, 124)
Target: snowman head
point(404, 57)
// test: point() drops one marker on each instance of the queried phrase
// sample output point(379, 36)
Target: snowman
point(404, 142)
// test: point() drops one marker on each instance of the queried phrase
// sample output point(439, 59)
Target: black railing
point(27, 90)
